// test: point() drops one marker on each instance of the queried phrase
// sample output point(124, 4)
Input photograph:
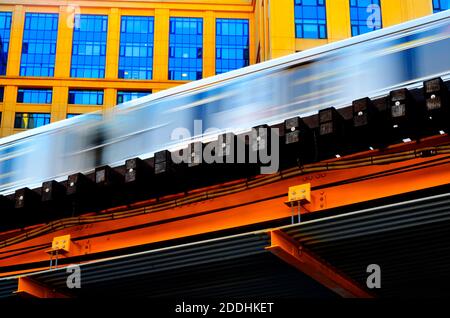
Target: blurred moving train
point(369, 65)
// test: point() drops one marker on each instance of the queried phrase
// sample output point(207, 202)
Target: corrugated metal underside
point(410, 241)
point(232, 267)
point(8, 287)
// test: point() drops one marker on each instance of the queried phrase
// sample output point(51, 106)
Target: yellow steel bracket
point(298, 196)
point(60, 246)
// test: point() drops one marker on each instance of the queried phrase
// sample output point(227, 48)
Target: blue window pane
point(232, 44)
point(126, 96)
point(186, 49)
point(310, 19)
point(365, 16)
point(438, 6)
point(39, 44)
point(5, 33)
point(85, 97)
point(34, 96)
point(136, 47)
point(72, 115)
point(2, 90)
point(31, 120)
point(89, 46)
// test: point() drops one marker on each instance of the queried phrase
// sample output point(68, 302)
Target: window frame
point(299, 5)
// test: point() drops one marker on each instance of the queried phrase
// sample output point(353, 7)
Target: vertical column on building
point(109, 98)
point(13, 69)
point(252, 39)
point(15, 44)
point(112, 44)
point(63, 61)
point(393, 12)
point(59, 103)
point(209, 44)
point(161, 45)
point(281, 28)
point(64, 42)
point(265, 21)
point(9, 105)
point(112, 56)
point(338, 20)
point(258, 30)
point(418, 8)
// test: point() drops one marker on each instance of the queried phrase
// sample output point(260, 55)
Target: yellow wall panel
point(419, 8)
point(393, 12)
point(109, 100)
point(64, 41)
point(9, 104)
point(398, 11)
point(209, 44)
point(59, 103)
point(281, 28)
point(338, 20)
point(15, 44)
point(112, 44)
point(161, 45)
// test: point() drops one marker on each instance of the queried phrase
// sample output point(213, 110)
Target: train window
point(89, 46)
point(39, 44)
point(365, 16)
point(31, 120)
point(72, 115)
point(232, 44)
point(2, 90)
point(126, 96)
point(186, 49)
point(310, 19)
point(5, 32)
point(34, 96)
point(440, 5)
point(136, 47)
point(85, 97)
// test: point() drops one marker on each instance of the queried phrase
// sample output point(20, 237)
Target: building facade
point(59, 59)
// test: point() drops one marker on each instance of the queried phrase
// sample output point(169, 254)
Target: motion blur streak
point(267, 93)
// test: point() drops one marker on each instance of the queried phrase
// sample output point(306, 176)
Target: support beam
point(294, 254)
point(29, 288)
point(242, 206)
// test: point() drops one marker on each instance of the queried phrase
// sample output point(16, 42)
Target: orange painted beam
point(29, 288)
point(292, 253)
point(251, 206)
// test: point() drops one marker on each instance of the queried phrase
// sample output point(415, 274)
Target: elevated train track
point(378, 170)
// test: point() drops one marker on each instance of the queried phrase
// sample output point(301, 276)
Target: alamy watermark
point(374, 18)
point(74, 277)
point(258, 146)
point(374, 279)
point(73, 16)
